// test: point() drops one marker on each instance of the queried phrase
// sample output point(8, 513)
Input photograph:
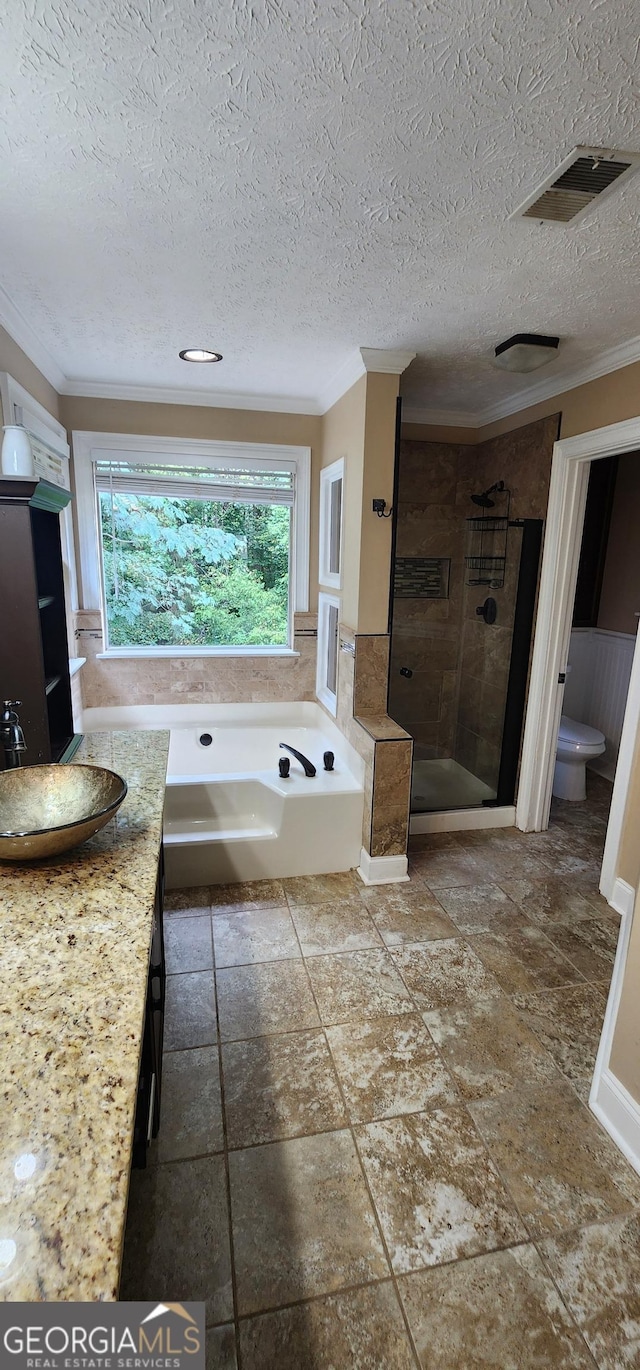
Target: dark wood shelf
point(34, 652)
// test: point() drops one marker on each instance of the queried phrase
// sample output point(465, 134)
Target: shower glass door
point(461, 631)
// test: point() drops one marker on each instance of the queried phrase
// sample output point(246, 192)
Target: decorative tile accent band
point(421, 577)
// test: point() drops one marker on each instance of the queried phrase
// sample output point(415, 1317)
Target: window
point(331, 506)
point(196, 548)
point(327, 664)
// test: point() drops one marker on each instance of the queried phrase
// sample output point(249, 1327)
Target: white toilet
point(577, 744)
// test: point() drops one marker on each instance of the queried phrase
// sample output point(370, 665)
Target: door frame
point(561, 553)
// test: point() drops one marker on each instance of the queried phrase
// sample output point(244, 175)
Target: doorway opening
point(572, 463)
point(602, 642)
point(605, 616)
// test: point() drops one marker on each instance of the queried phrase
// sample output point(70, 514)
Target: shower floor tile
point(442, 783)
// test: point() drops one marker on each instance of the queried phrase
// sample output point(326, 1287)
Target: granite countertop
point(75, 933)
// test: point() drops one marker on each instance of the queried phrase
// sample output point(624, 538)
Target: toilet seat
point(579, 737)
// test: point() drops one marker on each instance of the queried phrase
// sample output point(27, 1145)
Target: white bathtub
point(228, 814)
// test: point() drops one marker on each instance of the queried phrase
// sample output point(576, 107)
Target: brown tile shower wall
point(426, 632)
point(195, 680)
point(371, 673)
point(485, 656)
point(384, 746)
point(391, 795)
point(523, 460)
point(348, 725)
point(453, 703)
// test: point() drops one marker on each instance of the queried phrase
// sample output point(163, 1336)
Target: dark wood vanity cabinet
point(34, 651)
point(147, 1117)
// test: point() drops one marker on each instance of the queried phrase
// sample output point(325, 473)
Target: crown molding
point(25, 336)
point(567, 378)
point(366, 359)
point(391, 363)
point(209, 399)
point(343, 379)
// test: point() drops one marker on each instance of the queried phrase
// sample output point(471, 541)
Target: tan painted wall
point(17, 363)
point(189, 421)
point(620, 597)
point(375, 538)
point(361, 428)
point(625, 1050)
point(343, 432)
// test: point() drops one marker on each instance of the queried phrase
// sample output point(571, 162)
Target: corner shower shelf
point(489, 524)
point(487, 537)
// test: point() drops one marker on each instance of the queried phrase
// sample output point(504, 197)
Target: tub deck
point(230, 816)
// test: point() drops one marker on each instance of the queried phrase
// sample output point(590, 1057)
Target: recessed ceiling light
point(525, 352)
point(200, 354)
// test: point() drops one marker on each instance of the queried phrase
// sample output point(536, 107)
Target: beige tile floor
point(375, 1147)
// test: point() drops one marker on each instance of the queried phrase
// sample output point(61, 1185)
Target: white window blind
point(328, 643)
point(233, 485)
point(332, 650)
point(331, 520)
point(335, 526)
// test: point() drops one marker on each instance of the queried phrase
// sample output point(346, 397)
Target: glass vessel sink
point(45, 810)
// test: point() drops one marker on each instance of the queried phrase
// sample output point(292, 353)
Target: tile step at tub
point(180, 833)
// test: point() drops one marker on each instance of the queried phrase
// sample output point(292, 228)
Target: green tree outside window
point(193, 572)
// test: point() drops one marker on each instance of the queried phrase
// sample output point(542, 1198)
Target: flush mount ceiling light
point(199, 354)
point(525, 352)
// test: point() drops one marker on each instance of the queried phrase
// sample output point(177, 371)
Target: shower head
point(484, 500)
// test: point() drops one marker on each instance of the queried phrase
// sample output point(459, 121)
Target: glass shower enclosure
point(465, 574)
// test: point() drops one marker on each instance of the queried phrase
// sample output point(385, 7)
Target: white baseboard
point(611, 1103)
point(382, 870)
point(619, 1113)
point(622, 899)
point(605, 766)
point(463, 820)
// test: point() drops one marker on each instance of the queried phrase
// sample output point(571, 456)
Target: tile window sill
point(195, 654)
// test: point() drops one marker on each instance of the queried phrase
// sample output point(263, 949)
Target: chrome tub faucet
point(11, 734)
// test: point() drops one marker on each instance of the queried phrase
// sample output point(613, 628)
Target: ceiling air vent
point(584, 177)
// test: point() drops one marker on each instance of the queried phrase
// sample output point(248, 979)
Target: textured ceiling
point(287, 180)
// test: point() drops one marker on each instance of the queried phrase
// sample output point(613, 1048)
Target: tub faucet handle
point(328, 759)
point(284, 766)
point(307, 765)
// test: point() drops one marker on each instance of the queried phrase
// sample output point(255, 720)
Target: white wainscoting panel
point(598, 684)
point(574, 702)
